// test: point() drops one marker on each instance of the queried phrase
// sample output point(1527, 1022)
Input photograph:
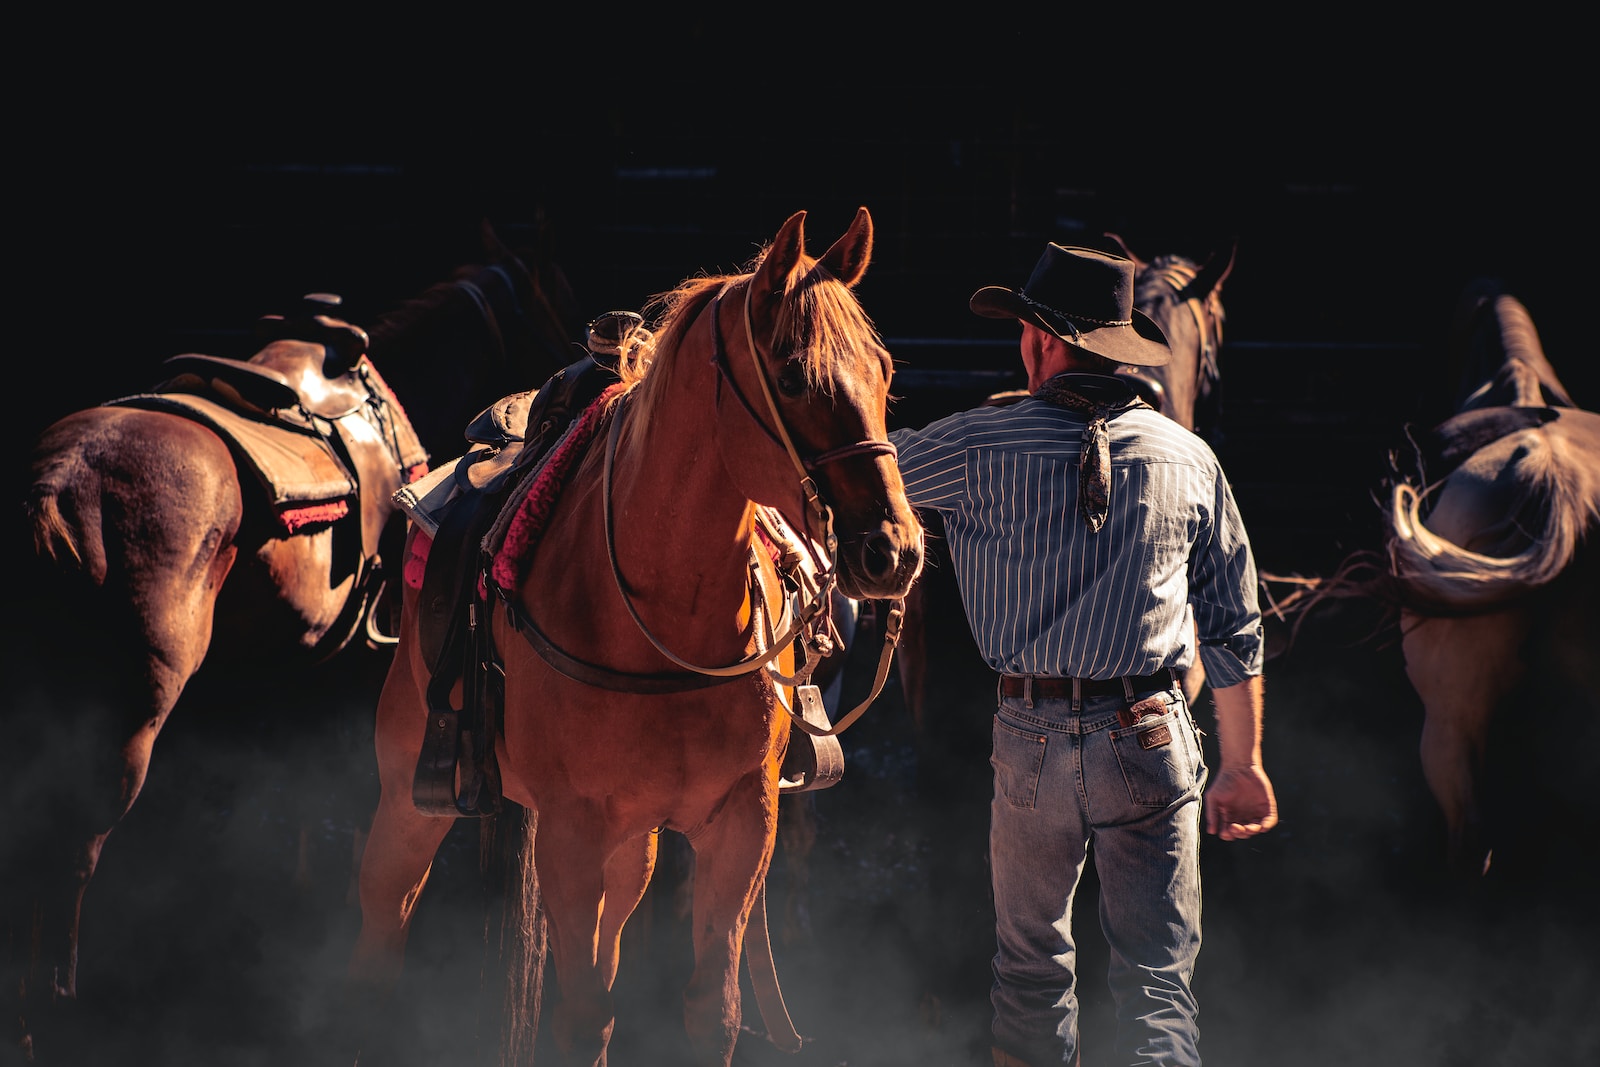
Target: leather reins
point(817, 510)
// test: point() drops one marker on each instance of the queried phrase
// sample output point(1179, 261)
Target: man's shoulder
point(969, 420)
point(1147, 428)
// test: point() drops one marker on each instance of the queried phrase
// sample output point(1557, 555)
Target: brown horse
point(238, 515)
point(635, 642)
point(1491, 557)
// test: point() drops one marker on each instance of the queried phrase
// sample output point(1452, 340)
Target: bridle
point(481, 299)
point(810, 617)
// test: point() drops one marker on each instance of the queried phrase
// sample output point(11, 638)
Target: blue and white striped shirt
point(1043, 595)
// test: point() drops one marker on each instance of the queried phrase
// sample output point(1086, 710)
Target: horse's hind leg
point(85, 736)
point(1461, 668)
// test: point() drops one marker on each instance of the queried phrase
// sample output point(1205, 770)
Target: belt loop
point(1077, 694)
point(1127, 690)
point(1027, 691)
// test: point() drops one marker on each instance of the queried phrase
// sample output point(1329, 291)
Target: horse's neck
point(677, 514)
point(1515, 384)
point(1180, 378)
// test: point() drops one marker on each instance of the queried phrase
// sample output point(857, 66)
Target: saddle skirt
point(314, 457)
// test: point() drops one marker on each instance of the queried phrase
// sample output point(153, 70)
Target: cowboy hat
point(1085, 297)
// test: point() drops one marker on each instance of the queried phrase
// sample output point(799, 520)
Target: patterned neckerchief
point(1099, 397)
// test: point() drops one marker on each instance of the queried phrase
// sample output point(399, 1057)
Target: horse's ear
point(1127, 253)
point(1212, 274)
point(493, 247)
point(782, 256)
point(850, 254)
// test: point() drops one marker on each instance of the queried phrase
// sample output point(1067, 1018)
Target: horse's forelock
point(821, 317)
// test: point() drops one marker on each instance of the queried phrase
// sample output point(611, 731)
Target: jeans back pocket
point(1159, 757)
point(1018, 760)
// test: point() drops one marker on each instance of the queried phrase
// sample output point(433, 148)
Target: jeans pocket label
point(1154, 737)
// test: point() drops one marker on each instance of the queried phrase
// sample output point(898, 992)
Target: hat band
point(1031, 302)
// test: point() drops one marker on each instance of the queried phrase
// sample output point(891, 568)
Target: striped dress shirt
point(1045, 596)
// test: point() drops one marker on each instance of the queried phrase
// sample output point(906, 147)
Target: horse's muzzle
point(880, 564)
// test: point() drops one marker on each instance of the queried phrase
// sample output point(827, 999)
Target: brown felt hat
point(1085, 297)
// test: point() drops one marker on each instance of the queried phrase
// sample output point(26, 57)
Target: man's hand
point(1240, 804)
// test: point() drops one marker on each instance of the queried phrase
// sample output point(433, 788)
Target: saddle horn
point(314, 322)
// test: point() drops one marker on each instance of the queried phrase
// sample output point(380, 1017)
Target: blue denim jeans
point(1066, 782)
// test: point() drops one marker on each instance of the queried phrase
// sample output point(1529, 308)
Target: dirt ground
point(1335, 939)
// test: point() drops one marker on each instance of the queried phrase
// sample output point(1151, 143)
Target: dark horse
point(239, 515)
point(636, 620)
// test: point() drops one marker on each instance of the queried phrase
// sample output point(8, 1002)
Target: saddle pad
point(424, 501)
point(295, 467)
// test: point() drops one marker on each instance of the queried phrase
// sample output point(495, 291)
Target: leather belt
point(1051, 687)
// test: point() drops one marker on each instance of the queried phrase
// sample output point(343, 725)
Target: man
point(1083, 525)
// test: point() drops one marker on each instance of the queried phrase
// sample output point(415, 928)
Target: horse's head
point(817, 376)
point(492, 328)
point(1185, 300)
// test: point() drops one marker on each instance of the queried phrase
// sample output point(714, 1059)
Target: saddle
point(1444, 448)
point(455, 506)
point(319, 429)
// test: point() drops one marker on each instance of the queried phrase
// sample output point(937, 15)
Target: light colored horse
point(1492, 558)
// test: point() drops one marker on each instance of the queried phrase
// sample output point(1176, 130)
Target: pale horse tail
point(1436, 576)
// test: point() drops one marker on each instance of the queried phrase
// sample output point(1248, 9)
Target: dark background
point(167, 199)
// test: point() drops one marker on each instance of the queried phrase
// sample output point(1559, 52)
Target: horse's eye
point(792, 379)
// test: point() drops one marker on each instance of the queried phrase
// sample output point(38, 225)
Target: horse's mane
point(1160, 284)
point(819, 319)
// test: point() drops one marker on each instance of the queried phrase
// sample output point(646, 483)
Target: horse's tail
point(53, 539)
point(522, 938)
point(1434, 576)
point(1291, 599)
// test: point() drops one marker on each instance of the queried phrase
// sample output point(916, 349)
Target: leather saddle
point(456, 505)
point(319, 429)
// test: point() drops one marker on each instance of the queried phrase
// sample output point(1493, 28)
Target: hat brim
point(1140, 345)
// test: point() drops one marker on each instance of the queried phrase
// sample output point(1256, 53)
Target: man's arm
point(1239, 802)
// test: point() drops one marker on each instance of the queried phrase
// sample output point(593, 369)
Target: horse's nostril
point(879, 556)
